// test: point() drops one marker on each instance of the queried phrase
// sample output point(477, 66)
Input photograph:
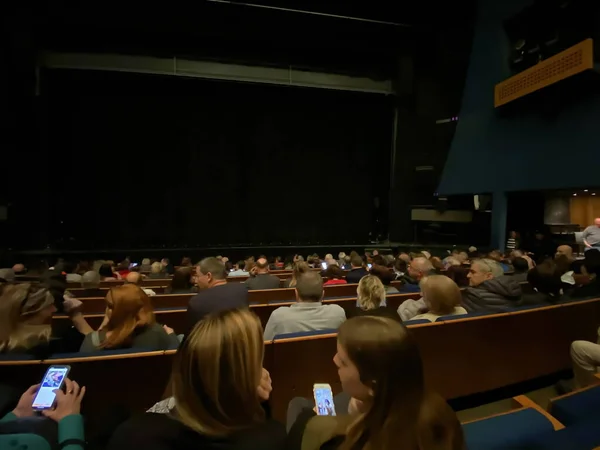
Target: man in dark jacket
point(489, 290)
point(357, 271)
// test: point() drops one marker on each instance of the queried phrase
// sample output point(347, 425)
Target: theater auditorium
point(274, 225)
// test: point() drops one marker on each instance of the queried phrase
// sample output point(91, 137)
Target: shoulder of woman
point(321, 429)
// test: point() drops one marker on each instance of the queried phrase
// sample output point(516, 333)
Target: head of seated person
point(591, 263)
point(300, 268)
point(157, 269)
point(90, 280)
point(458, 274)
point(106, 272)
point(483, 270)
point(370, 292)
point(383, 273)
point(546, 279)
point(220, 402)
point(400, 266)
point(19, 268)
point(565, 250)
point(356, 262)
point(441, 295)
point(309, 287)
point(210, 272)
point(262, 266)
point(520, 265)
point(334, 272)
point(419, 268)
point(563, 263)
point(496, 255)
point(378, 260)
point(134, 278)
point(186, 262)
point(380, 367)
point(128, 308)
point(25, 314)
point(437, 264)
point(182, 280)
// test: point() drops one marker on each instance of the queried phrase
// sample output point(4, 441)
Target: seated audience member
point(567, 252)
point(262, 279)
point(497, 256)
point(168, 268)
point(342, 260)
point(90, 282)
point(136, 279)
point(545, 281)
point(458, 274)
point(218, 386)
point(567, 276)
point(66, 413)
point(591, 268)
point(129, 323)
point(386, 276)
point(146, 265)
point(438, 265)
point(238, 270)
point(71, 275)
point(25, 320)
point(7, 276)
point(19, 269)
point(389, 407)
point(357, 271)
point(521, 268)
point(419, 268)
point(489, 290)
point(300, 268)
point(463, 257)
point(334, 275)
point(181, 283)
point(157, 271)
point(426, 254)
point(186, 261)
point(215, 293)
point(404, 257)
point(371, 299)
point(106, 273)
point(308, 313)
point(400, 268)
point(442, 298)
point(586, 361)
point(123, 268)
point(279, 264)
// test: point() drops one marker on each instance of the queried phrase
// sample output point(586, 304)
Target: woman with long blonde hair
point(380, 368)
point(371, 299)
point(129, 323)
point(218, 385)
point(300, 267)
point(25, 313)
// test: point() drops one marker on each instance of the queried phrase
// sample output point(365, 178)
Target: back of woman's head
point(23, 310)
point(156, 267)
point(371, 292)
point(105, 270)
point(182, 279)
point(389, 365)
point(300, 267)
point(186, 261)
point(216, 372)
point(441, 294)
point(128, 308)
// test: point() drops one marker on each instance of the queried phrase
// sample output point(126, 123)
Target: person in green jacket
point(66, 414)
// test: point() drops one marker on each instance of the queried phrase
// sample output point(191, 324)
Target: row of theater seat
point(461, 357)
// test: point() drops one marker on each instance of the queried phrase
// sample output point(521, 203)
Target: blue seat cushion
point(520, 429)
point(416, 321)
point(582, 436)
point(304, 333)
point(578, 407)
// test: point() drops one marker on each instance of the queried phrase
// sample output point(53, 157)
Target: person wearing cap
point(25, 314)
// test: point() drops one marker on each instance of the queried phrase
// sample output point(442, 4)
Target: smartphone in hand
point(53, 379)
point(323, 399)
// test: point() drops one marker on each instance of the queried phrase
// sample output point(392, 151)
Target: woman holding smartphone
point(380, 368)
point(218, 386)
point(68, 433)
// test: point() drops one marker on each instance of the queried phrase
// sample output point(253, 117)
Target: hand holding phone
point(67, 403)
point(52, 382)
point(323, 399)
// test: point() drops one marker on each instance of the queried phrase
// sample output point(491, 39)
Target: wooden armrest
point(525, 402)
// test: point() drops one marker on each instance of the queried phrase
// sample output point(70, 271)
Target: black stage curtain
point(142, 160)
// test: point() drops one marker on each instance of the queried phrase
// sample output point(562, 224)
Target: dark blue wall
point(521, 152)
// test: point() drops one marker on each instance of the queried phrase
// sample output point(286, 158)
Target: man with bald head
point(136, 278)
point(591, 235)
point(262, 279)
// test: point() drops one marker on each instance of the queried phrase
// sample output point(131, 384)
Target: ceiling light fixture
point(574, 195)
point(585, 190)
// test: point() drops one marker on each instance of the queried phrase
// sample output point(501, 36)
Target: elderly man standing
point(591, 235)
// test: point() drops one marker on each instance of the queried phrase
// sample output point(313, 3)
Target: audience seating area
point(461, 357)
